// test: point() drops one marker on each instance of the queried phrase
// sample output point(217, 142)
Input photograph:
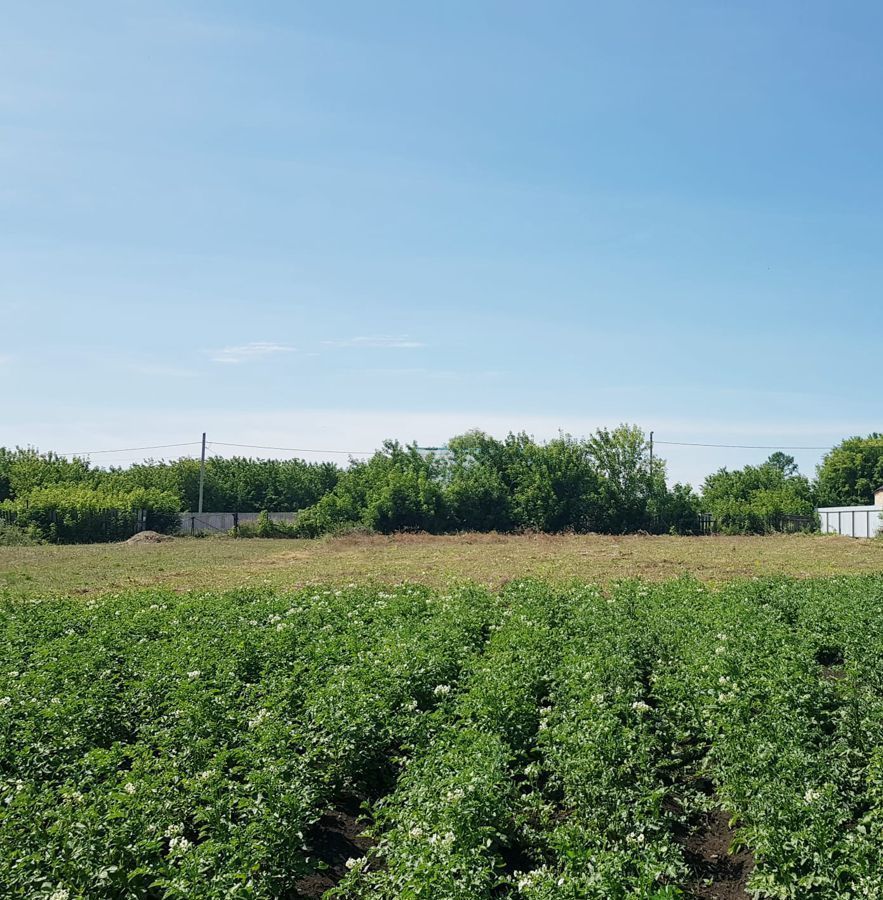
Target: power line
point(293, 449)
point(425, 449)
point(739, 446)
point(126, 449)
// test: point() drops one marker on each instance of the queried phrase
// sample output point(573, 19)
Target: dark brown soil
point(833, 673)
point(337, 838)
point(718, 874)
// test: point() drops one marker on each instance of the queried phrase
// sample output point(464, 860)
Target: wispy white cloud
point(160, 371)
point(248, 352)
point(5, 359)
point(396, 342)
point(437, 374)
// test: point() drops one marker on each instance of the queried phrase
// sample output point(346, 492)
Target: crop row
point(458, 809)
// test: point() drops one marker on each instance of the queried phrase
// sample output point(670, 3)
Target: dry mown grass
point(492, 559)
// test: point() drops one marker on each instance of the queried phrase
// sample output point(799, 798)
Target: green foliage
point(675, 511)
point(407, 496)
point(623, 462)
point(15, 536)
point(483, 484)
point(159, 746)
point(237, 484)
point(24, 470)
point(754, 499)
point(69, 501)
point(539, 745)
point(397, 489)
point(78, 513)
point(782, 681)
point(232, 485)
point(851, 472)
point(604, 746)
point(606, 483)
point(477, 488)
point(265, 527)
point(554, 486)
point(456, 809)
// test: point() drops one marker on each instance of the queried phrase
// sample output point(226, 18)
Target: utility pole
point(651, 470)
point(201, 474)
point(651, 460)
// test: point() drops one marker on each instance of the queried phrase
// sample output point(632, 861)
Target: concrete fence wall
point(851, 521)
point(215, 522)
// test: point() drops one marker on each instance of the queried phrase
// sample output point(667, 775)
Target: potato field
point(636, 740)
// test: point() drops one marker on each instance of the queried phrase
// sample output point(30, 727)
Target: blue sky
point(321, 224)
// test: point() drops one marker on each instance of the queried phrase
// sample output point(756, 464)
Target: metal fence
point(223, 522)
point(707, 524)
point(852, 521)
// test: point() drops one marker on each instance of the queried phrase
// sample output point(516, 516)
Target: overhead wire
point(127, 449)
point(737, 446)
point(293, 449)
point(85, 453)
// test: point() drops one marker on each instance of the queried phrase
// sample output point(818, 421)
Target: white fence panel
point(851, 521)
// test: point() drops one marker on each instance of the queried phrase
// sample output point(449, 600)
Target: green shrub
point(79, 514)
point(265, 527)
point(15, 536)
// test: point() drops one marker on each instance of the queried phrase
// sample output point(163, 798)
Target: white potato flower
point(179, 845)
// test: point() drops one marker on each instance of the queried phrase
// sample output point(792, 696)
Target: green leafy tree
point(399, 488)
point(520, 484)
point(622, 459)
point(25, 469)
point(477, 490)
point(851, 472)
point(235, 484)
point(753, 500)
point(675, 510)
point(558, 486)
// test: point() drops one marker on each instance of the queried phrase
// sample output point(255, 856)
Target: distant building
point(878, 497)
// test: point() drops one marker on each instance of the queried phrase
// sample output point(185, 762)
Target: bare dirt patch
point(337, 838)
point(718, 874)
point(148, 537)
point(832, 665)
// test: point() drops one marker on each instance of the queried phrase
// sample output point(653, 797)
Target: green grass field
point(489, 559)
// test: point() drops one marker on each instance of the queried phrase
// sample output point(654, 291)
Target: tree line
point(608, 482)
